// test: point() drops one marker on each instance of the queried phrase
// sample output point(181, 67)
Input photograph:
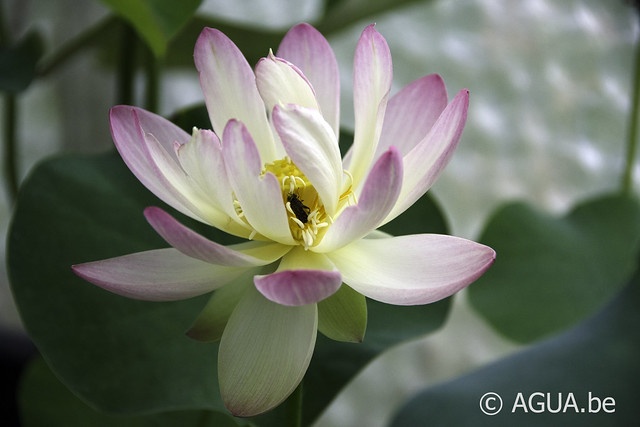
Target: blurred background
point(549, 83)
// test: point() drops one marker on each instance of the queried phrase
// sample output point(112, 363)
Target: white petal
point(264, 353)
point(157, 275)
point(230, 89)
point(379, 195)
point(372, 77)
point(311, 144)
point(305, 47)
point(411, 270)
point(424, 163)
point(260, 196)
point(281, 82)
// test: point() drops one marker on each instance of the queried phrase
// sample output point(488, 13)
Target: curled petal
point(414, 269)
point(157, 275)
point(192, 244)
point(259, 196)
point(372, 76)
point(302, 278)
point(312, 146)
point(281, 82)
point(230, 90)
point(424, 163)
point(264, 353)
point(379, 195)
point(305, 47)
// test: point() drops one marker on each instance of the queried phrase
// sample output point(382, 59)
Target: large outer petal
point(411, 113)
point(424, 163)
point(312, 146)
point(414, 269)
point(305, 47)
point(372, 77)
point(264, 353)
point(157, 275)
point(260, 196)
point(379, 195)
point(190, 243)
point(230, 90)
point(302, 277)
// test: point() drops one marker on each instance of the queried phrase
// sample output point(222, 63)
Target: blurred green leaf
point(552, 272)
point(18, 63)
point(340, 14)
point(122, 355)
point(157, 21)
point(599, 356)
point(128, 357)
point(46, 402)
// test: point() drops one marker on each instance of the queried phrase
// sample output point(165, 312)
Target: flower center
point(308, 219)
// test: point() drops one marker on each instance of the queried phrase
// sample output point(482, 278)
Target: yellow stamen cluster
point(308, 219)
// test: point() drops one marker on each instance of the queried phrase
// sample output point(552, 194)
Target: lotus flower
point(271, 172)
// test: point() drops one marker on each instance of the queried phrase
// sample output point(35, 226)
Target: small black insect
point(300, 210)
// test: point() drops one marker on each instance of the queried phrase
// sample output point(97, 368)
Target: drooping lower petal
point(230, 90)
point(303, 277)
point(414, 269)
point(424, 163)
point(305, 47)
point(379, 195)
point(190, 243)
point(156, 275)
point(264, 353)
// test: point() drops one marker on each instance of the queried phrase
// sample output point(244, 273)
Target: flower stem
point(294, 407)
point(126, 67)
point(632, 137)
point(10, 151)
point(152, 68)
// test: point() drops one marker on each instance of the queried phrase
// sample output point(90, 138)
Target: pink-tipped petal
point(379, 195)
point(411, 113)
point(156, 275)
point(281, 82)
point(311, 144)
point(192, 244)
point(131, 127)
point(259, 196)
point(424, 163)
point(372, 77)
point(264, 353)
point(414, 269)
point(305, 47)
point(302, 277)
point(230, 90)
